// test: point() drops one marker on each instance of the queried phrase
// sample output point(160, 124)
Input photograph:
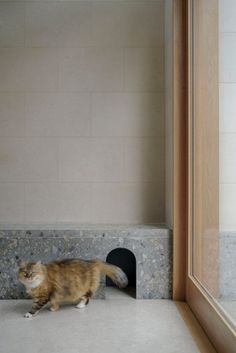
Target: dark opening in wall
point(125, 259)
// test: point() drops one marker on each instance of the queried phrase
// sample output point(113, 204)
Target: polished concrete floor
point(119, 324)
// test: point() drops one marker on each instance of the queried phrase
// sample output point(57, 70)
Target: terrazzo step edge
point(151, 245)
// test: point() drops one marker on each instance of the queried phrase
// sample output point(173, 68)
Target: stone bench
point(150, 244)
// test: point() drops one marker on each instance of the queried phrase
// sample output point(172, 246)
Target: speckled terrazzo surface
point(151, 245)
point(227, 265)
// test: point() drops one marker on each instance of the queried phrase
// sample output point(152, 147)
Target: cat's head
point(31, 274)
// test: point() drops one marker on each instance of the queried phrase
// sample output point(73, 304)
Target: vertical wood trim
point(179, 148)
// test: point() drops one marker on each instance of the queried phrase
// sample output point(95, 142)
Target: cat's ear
point(21, 263)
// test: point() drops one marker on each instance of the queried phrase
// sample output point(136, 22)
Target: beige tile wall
point(82, 127)
point(227, 94)
point(168, 113)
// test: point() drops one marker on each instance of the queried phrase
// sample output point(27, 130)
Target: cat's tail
point(115, 273)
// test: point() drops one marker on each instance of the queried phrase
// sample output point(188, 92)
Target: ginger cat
point(70, 280)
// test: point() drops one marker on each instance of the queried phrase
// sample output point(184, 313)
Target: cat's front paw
point(28, 315)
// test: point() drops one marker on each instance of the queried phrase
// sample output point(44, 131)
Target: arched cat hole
point(126, 260)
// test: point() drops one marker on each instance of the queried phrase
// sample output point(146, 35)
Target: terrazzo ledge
point(151, 245)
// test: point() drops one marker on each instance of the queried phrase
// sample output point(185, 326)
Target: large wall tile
point(75, 69)
point(12, 203)
point(41, 159)
point(169, 179)
point(28, 159)
point(75, 159)
point(57, 24)
point(107, 23)
point(144, 69)
point(227, 112)
point(12, 114)
point(227, 207)
point(12, 73)
point(41, 69)
point(12, 24)
point(227, 15)
point(144, 159)
point(107, 159)
point(228, 57)
point(57, 114)
point(137, 24)
point(74, 203)
point(91, 159)
point(42, 24)
point(143, 24)
point(12, 166)
point(228, 158)
point(127, 203)
point(227, 96)
point(91, 69)
point(41, 202)
point(127, 114)
point(107, 69)
point(28, 69)
point(168, 113)
point(57, 202)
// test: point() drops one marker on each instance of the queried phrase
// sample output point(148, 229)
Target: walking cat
point(70, 280)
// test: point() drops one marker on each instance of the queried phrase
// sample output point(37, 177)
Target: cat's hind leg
point(84, 300)
point(82, 303)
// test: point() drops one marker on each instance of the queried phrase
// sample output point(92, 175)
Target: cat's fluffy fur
point(68, 280)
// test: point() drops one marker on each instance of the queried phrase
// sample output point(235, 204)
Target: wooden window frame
point(180, 156)
point(185, 286)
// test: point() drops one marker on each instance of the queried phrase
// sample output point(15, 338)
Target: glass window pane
point(214, 150)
